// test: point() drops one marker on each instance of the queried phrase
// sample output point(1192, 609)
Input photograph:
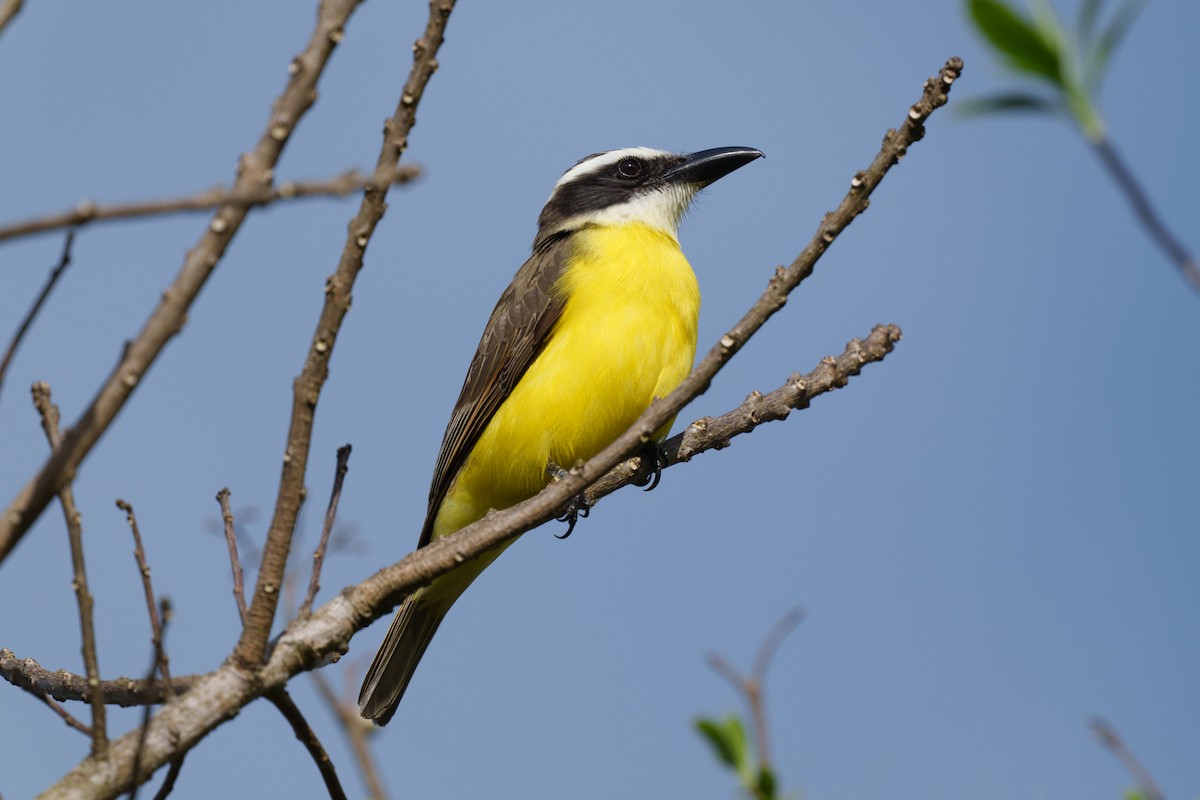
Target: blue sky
point(993, 531)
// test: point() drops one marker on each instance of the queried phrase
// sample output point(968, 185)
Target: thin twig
point(239, 590)
point(751, 685)
point(156, 623)
point(314, 582)
point(8, 10)
point(157, 664)
point(255, 170)
point(208, 199)
point(357, 729)
point(64, 261)
point(1145, 211)
point(307, 386)
point(83, 596)
point(1112, 741)
point(304, 732)
point(62, 712)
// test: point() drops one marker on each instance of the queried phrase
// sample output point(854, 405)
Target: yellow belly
point(627, 335)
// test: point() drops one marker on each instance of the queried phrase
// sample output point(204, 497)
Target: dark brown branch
point(314, 582)
point(62, 685)
point(751, 686)
point(157, 664)
point(156, 622)
point(304, 732)
point(1146, 214)
point(64, 261)
point(1112, 741)
point(83, 596)
point(215, 197)
point(357, 729)
point(8, 10)
point(255, 170)
point(239, 590)
point(308, 385)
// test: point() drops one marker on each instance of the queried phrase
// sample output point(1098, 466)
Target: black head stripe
point(606, 186)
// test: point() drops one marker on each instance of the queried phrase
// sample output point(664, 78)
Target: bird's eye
point(629, 167)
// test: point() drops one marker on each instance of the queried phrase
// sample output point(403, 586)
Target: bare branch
point(27, 674)
point(357, 729)
point(304, 732)
point(714, 433)
point(1112, 741)
point(215, 197)
point(314, 582)
point(255, 171)
point(239, 590)
point(169, 782)
point(157, 664)
point(156, 622)
point(64, 261)
point(83, 596)
point(308, 385)
point(62, 712)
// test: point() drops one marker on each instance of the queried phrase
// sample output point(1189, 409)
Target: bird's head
point(635, 185)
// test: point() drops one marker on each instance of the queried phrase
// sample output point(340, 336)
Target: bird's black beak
point(708, 166)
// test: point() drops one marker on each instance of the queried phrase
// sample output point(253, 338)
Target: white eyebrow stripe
point(607, 159)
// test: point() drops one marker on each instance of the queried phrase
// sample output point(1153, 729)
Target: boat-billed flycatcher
point(599, 322)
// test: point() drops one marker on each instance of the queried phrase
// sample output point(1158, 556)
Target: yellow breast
point(627, 335)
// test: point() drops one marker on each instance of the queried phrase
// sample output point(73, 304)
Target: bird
point(599, 322)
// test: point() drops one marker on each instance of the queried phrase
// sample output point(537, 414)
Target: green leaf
point(1017, 39)
point(766, 783)
point(1007, 102)
point(718, 738)
point(1134, 794)
point(1098, 57)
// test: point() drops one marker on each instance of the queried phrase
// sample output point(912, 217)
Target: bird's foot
point(658, 457)
point(578, 508)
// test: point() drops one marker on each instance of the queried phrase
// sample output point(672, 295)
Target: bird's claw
point(658, 458)
point(577, 509)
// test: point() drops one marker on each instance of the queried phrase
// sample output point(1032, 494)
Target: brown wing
point(520, 322)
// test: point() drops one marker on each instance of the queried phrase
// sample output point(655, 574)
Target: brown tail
point(412, 629)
